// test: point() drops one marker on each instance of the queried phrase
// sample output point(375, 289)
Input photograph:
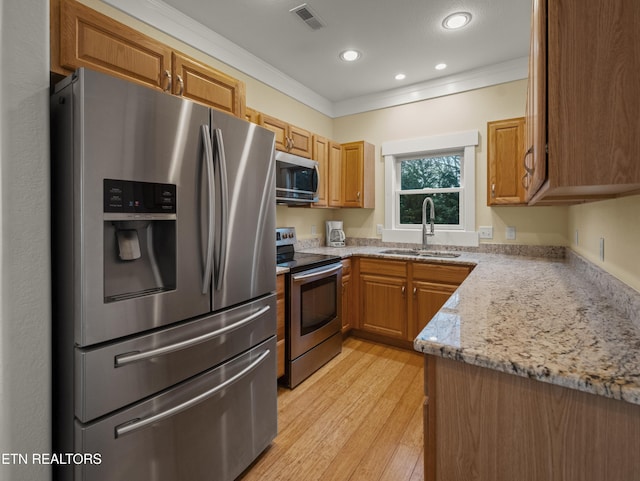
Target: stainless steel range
point(314, 297)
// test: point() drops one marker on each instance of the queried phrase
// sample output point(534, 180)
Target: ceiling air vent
point(307, 16)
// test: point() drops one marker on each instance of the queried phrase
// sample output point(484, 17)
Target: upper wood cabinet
point(590, 146)
point(251, 115)
point(505, 151)
point(334, 190)
point(321, 155)
point(203, 84)
point(356, 176)
point(82, 37)
point(289, 138)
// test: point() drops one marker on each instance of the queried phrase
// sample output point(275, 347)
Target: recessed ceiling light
point(441, 66)
point(350, 55)
point(456, 20)
point(401, 76)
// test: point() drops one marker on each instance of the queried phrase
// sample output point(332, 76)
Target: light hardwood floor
point(359, 418)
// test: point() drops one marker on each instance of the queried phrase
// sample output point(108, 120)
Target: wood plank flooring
point(359, 418)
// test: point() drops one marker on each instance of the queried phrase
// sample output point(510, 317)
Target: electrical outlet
point(577, 239)
point(510, 233)
point(379, 229)
point(313, 230)
point(485, 232)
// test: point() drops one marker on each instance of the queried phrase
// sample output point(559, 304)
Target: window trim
point(395, 150)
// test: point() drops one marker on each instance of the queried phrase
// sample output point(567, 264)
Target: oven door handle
point(301, 277)
point(123, 359)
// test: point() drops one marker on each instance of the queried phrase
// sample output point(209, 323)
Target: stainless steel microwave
point(297, 179)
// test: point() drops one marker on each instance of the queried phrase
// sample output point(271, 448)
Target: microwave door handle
point(316, 188)
point(137, 424)
point(224, 211)
point(208, 161)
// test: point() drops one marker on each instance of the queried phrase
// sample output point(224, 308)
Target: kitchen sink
point(422, 253)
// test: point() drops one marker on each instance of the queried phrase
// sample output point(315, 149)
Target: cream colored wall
point(453, 113)
point(617, 221)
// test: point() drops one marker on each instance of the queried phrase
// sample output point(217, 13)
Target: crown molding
point(167, 19)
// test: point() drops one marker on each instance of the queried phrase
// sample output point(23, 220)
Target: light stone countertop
point(561, 321)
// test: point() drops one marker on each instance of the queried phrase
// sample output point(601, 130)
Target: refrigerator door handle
point(208, 160)
point(138, 423)
point(224, 210)
point(123, 359)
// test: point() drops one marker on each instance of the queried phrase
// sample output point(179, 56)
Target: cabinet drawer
point(346, 267)
point(444, 273)
point(383, 267)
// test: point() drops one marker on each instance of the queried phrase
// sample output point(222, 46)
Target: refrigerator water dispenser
point(139, 239)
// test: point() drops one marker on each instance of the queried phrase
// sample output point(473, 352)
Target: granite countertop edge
point(562, 321)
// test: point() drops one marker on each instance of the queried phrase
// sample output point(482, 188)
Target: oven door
point(315, 300)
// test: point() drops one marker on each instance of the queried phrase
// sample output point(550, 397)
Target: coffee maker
point(335, 234)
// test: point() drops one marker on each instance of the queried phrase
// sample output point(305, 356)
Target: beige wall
point(453, 113)
point(617, 221)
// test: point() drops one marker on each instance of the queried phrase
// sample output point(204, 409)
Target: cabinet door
point(301, 141)
point(335, 175)
point(82, 37)
point(505, 152)
point(203, 84)
point(352, 174)
point(535, 159)
point(358, 189)
point(428, 298)
point(321, 155)
point(279, 128)
point(251, 115)
point(384, 305)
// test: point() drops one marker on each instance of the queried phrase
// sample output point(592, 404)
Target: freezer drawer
point(208, 428)
point(115, 375)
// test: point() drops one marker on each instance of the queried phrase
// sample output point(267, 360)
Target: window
point(437, 176)
point(441, 167)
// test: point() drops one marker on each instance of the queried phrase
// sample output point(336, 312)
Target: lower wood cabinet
point(486, 425)
point(347, 312)
point(280, 303)
point(383, 298)
point(396, 299)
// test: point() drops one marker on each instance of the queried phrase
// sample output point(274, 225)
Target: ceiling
point(394, 36)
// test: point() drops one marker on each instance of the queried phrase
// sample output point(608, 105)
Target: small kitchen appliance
point(335, 233)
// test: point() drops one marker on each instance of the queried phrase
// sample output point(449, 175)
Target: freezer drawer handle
point(137, 424)
point(122, 359)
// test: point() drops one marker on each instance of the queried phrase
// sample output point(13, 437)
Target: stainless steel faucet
point(432, 216)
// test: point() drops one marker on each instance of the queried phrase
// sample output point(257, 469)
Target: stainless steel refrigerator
point(163, 221)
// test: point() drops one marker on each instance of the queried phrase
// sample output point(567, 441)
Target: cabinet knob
point(415, 291)
point(180, 81)
point(404, 290)
point(168, 75)
point(529, 170)
point(493, 190)
point(358, 195)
